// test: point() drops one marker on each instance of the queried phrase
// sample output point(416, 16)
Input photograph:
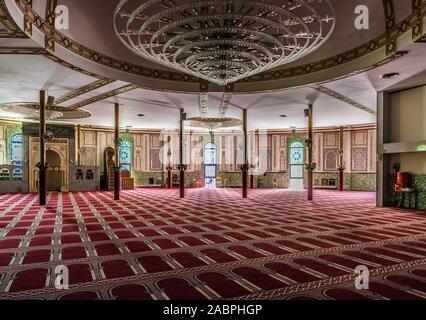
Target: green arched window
point(126, 156)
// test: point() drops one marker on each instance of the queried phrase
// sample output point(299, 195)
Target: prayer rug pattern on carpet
point(211, 245)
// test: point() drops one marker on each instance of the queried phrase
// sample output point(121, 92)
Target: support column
point(182, 167)
point(42, 165)
point(311, 165)
point(169, 166)
point(341, 162)
point(245, 166)
point(117, 181)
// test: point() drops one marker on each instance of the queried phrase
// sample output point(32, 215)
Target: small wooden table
point(405, 195)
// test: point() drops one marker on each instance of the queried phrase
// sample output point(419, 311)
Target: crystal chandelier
point(213, 123)
point(223, 41)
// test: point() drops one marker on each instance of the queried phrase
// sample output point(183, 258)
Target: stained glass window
point(210, 155)
point(297, 160)
point(126, 156)
point(16, 149)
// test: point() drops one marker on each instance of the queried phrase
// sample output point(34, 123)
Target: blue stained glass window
point(126, 156)
point(16, 149)
point(297, 160)
point(210, 166)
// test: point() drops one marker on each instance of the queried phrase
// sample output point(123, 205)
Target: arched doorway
point(296, 164)
point(54, 172)
point(210, 165)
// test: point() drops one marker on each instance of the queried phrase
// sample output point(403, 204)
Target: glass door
point(297, 165)
point(210, 165)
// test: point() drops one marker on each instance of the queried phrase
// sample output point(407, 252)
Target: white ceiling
point(22, 76)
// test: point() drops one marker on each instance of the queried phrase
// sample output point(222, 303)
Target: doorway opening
point(54, 171)
point(297, 165)
point(210, 165)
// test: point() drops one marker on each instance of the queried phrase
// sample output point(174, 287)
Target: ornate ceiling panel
point(318, 67)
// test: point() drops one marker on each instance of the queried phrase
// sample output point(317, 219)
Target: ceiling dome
point(223, 41)
point(245, 44)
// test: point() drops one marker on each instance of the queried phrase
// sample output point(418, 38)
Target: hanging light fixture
point(212, 124)
point(223, 41)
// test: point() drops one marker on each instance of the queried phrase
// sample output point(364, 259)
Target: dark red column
point(169, 178)
point(169, 167)
point(341, 162)
point(245, 166)
point(117, 181)
point(42, 166)
point(311, 165)
point(182, 167)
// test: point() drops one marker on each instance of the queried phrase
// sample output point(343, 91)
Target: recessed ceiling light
point(283, 116)
point(141, 115)
point(390, 75)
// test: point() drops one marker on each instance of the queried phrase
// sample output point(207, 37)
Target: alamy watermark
point(361, 22)
point(62, 18)
point(62, 277)
point(362, 19)
point(362, 279)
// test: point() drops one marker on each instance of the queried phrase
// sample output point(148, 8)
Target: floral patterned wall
point(419, 183)
point(416, 200)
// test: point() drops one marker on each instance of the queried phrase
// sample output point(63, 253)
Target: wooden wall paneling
point(102, 141)
point(275, 153)
point(195, 157)
point(109, 139)
point(331, 158)
point(229, 143)
point(89, 138)
point(331, 151)
point(319, 153)
point(145, 151)
point(372, 151)
point(138, 145)
point(154, 153)
point(331, 139)
point(359, 159)
point(251, 147)
point(359, 152)
point(263, 151)
point(187, 148)
point(88, 156)
point(315, 150)
point(347, 150)
point(360, 138)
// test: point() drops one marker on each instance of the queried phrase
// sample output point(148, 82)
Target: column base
point(169, 179)
point(117, 183)
point(182, 184)
point(42, 184)
point(341, 180)
point(182, 169)
point(310, 185)
point(245, 191)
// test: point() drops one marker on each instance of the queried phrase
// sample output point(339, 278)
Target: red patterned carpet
point(212, 245)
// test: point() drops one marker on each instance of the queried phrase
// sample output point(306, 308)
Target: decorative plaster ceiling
point(24, 71)
point(89, 43)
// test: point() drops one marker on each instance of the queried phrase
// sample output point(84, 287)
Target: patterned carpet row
point(211, 245)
